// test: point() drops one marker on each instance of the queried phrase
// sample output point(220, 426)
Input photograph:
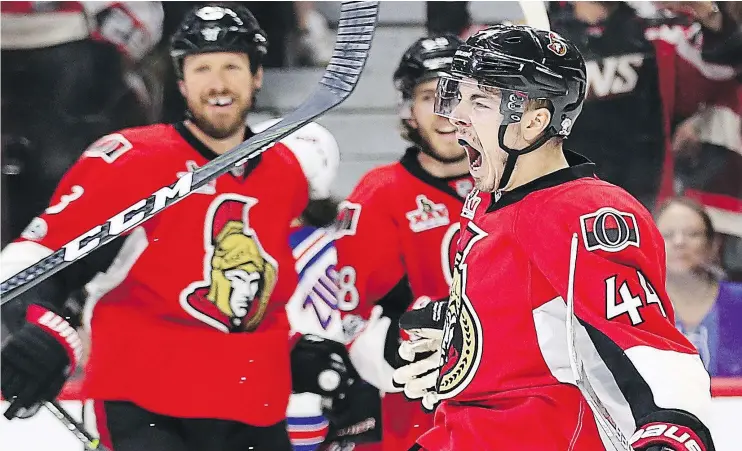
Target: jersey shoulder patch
point(109, 147)
point(609, 229)
point(149, 140)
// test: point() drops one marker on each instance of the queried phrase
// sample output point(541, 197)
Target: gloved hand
point(321, 366)
point(661, 436)
point(357, 417)
point(422, 352)
point(37, 360)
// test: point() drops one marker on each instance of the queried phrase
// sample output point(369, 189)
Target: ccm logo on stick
point(129, 218)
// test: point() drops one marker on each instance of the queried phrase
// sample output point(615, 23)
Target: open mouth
point(475, 157)
point(221, 101)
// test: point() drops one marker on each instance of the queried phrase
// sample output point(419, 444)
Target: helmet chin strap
point(513, 154)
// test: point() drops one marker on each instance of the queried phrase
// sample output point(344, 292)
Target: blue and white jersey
point(312, 309)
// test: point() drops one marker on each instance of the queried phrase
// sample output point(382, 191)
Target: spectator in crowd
point(69, 75)
point(708, 161)
point(708, 309)
point(722, 24)
point(645, 74)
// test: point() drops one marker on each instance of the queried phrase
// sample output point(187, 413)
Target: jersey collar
point(209, 154)
point(579, 167)
point(410, 162)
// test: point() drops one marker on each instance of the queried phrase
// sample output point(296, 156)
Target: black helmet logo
point(557, 45)
point(210, 34)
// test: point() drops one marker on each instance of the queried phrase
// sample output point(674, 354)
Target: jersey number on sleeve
point(630, 303)
point(348, 298)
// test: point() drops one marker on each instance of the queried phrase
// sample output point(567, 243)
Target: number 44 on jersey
point(621, 301)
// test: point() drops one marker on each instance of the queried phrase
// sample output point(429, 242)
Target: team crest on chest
point(428, 215)
point(461, 347)
point(239, 275)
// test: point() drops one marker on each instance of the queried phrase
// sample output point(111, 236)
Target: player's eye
point(481, 105)
point(427, 97)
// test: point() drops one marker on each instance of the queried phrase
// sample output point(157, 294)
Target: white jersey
point(312, 309)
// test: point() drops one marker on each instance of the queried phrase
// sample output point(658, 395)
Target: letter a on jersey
point(239, 276)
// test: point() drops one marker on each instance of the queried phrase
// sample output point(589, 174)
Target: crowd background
point(74, 71)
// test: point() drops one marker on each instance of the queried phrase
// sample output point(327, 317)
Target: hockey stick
point(355, 32)
point(90, 442)
point(534, 14)
point(603, 418)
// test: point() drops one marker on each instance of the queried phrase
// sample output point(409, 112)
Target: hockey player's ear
point(182, 88)
point(534, 122)
point(412, 123)
point(257, 79)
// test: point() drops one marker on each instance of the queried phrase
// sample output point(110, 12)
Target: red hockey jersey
point(505, 356)
point(399, 224)
point(189, 321)
point(399, 221)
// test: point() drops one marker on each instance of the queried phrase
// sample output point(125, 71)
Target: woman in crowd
point(708, 309)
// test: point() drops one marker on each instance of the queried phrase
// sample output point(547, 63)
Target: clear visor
point(468, 101)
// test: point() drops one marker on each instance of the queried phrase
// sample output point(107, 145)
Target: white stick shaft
point(534, 12)
point(603, 418)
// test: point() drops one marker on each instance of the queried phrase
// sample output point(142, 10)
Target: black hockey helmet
point(218, 28)
point(528, 64)
point(426, 59)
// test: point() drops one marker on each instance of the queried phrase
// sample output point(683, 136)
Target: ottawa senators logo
point(239, 276)
point(556, 44)
point(461, 347)
point(609, 229)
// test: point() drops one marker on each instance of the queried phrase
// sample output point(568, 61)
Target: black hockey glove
point(355, 418)
point(321, 366)
point(421, 353)
point(38, 359)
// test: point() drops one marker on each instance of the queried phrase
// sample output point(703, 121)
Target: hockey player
point(500, 375)
point(397, 230)
point(190, 347)
point(312, 308)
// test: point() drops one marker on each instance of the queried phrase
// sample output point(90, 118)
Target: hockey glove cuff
point(666, 437)
point(38, 359)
